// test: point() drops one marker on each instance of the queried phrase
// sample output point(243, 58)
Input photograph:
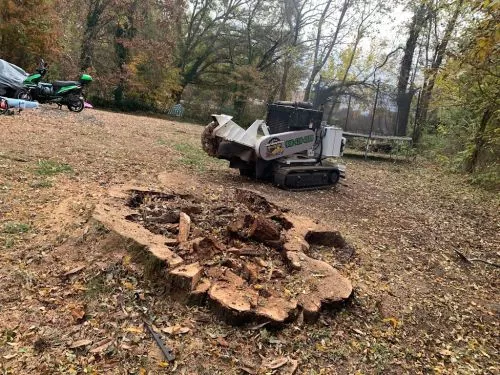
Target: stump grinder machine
point(289, 148)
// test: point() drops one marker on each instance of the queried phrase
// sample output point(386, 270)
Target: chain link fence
point(353, 112)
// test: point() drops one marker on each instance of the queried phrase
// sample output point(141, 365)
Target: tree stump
point(276, 309)
point(233, 264)
point(323, 285)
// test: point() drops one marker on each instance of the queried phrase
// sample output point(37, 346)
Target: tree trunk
point(86, 58)
point(330, 112)
point(284, 79)
point(320, 61)
point(431, 77)
point(93, 21)
point(335, 99)
point(307, 92)
point(479, 141)
point(403, 99)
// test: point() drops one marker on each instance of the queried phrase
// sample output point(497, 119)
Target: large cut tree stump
point(255, 202)
point(276, 309)
point(199, 294)
point(223, 251)
point(237, 302)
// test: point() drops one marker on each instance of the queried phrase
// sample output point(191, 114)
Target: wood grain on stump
point(184, 278)
point(233, 300)
point(323, 286)
point(276, 309)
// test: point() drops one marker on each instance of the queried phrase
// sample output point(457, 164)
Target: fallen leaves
point(73, 271)
point(281, 365)
point(101, 346)
point(134, 330)
point(274, 363)
point(222, 342)
point(128, 285)
point(393, 321)
point(176, 330)
point(80, 343)
point(77, 312)
point(446, 352)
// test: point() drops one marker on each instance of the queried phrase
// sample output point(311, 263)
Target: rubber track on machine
point(313, 168)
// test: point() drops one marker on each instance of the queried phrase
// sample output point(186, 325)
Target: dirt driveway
point(72, 297)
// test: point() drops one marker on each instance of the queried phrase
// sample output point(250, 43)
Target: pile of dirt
point(243, 255)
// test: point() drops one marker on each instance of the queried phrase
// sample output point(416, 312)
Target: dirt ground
point(72, 296)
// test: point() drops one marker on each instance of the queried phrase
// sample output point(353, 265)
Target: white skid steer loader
point(289, 148)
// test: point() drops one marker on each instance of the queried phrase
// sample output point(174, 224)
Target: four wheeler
point(69, 93)
point(290, 148)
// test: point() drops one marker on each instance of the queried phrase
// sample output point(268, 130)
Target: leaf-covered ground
point(72, 295)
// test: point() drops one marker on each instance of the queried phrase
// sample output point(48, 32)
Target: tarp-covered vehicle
point(11, 79)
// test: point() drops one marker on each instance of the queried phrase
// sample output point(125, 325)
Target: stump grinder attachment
point(289, 148)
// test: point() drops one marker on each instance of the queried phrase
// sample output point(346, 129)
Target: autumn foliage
point(29, 29)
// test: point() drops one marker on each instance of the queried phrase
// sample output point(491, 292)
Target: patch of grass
point(41, 184)
point(51, 168)
point(7, 335)
point(161, 141)
point(14, 227)
point(99, 228)
point(96, 286)
point(9, 243)
point(194, 157)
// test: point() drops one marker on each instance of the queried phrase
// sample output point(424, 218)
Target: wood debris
point(240, 261)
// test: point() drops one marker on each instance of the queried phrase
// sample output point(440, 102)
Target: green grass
point(13, 227)
point(96, 286)
point(162, 142)
point(9, 243)
point(51, 168)
point(194, 157)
